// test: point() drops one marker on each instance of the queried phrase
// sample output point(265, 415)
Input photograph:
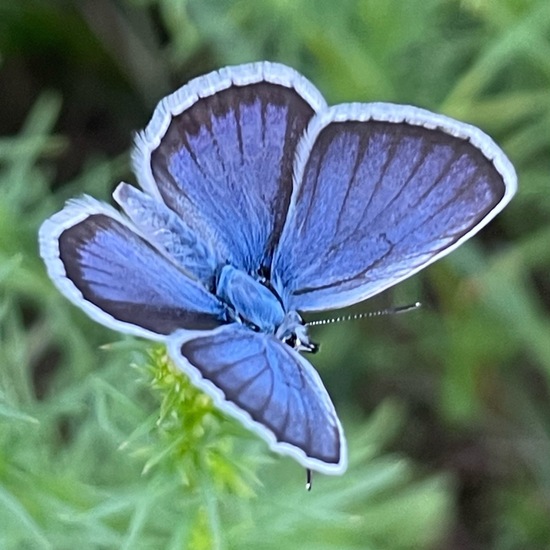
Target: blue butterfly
point(258, 201)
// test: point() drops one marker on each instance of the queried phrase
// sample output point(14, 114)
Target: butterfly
point(259, 202)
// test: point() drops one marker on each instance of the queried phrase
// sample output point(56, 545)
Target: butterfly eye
point(292, 341)
point(295, 343)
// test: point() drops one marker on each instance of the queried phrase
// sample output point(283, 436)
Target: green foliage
point(196, 438)
point(446, 409)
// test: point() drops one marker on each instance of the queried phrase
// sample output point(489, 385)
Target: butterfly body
point(250, 301)
point(259, 202)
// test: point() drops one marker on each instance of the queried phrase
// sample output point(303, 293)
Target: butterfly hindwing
point(118, 278)
point(267, 386)
point(219, 153)
point(382, 191)
point(169, 234)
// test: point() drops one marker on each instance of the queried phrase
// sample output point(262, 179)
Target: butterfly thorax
point(252, 303)
point(249, 301)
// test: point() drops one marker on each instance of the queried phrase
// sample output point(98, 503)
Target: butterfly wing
point(219, 153)
point(99, 261)
point(167, 232)
point(382, 191)
point(269, 388)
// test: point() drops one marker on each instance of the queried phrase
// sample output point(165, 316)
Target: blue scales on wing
point(124, 276)
point(224, 165)
point(167, 232)
point(282, 396)
point(376, 202)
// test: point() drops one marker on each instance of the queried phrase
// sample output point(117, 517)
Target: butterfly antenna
point(365, 315)
point(308, 479)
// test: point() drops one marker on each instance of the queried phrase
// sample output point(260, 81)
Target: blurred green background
point(446, 409)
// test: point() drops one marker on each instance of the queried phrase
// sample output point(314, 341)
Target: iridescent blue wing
point(382, 191)
point(269, 388)
point(219, 153)
point(98, 260)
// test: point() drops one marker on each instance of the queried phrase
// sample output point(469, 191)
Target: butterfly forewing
point(267, 386)
point(222, 153)
point(377, 200)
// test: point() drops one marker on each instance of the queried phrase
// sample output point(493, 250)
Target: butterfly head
point(252, 303)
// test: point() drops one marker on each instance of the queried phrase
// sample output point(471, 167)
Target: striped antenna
point(379, 313)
